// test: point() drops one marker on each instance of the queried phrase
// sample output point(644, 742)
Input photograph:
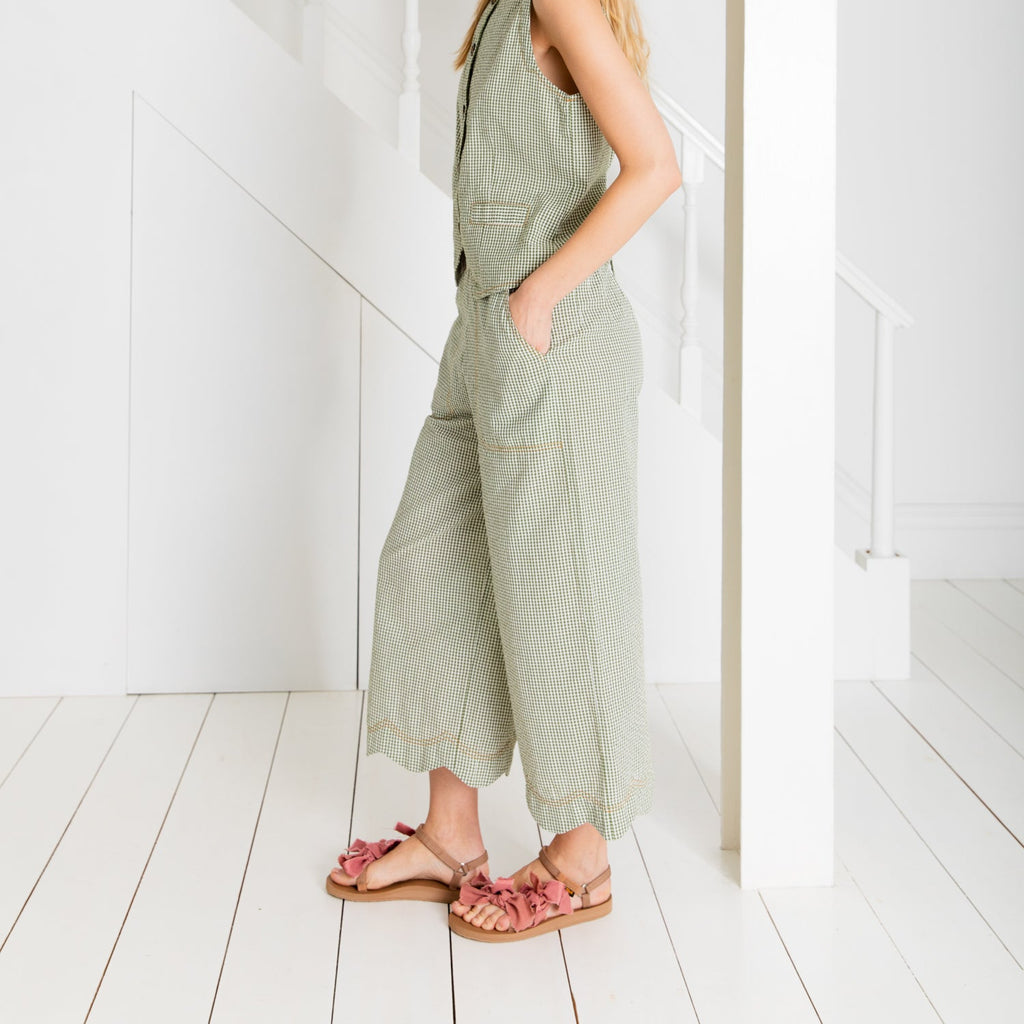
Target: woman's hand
point(531, 317)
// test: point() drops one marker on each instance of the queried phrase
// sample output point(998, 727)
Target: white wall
point(930, 160)
point(65, 186)
point(238, 115)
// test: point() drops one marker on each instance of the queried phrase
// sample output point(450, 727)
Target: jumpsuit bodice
point(530, 160)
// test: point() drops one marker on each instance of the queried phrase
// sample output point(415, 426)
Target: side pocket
point(506, 293)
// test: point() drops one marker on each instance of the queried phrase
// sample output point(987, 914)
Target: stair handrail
point(697, 144)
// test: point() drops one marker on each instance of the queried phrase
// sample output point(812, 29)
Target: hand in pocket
point(531, 320)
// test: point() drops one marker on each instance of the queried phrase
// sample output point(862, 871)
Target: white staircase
point(290, 289)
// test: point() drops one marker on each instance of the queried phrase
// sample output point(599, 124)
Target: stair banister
point(889, 316)
point(697, 144)
point(409, 100)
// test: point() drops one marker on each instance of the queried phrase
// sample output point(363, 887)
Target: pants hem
point(581, 809)
point(473, 769)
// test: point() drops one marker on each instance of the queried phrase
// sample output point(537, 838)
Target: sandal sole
point(423, 889)
point(552, 924)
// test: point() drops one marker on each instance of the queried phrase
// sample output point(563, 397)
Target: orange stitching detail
point(500, 755)
point(519, 447)
point(635, 784)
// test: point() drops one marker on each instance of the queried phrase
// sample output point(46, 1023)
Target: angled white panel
point(323, 170)
point(244, 438)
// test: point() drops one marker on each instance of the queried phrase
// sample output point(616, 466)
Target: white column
point(778, 471)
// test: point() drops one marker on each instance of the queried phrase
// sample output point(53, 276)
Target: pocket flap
point(498, 212)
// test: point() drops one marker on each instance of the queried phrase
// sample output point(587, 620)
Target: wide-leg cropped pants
point(508, 600)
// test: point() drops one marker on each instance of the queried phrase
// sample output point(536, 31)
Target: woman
point(508, 602)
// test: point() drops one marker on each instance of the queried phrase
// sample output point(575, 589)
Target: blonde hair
point(622, 15)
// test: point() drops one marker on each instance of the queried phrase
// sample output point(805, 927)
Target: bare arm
point(626, 114)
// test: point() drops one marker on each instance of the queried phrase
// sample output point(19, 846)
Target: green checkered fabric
point(508, 602)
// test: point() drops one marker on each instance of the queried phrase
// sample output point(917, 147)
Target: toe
point(475, 915)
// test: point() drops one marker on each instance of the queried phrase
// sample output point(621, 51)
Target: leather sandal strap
point(460, 870)
point(597, 880)
point(553, 870)
point(475, 863)
point(361, 880)
point(573, 888)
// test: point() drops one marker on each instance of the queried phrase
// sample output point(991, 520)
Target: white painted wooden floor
point(162, 858)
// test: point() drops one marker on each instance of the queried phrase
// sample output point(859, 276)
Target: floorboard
point(168, 956)
point(163, 857)
point(1000, 643)
point(76, 910)
point(999, 597)
point(966, 971)
point(282, 957)
point(830, 933)
point(979, 854)
point(394, 962)
point(39, 797)
point(734, 966)
point(22, 718)
point(985, 762)
point(984, 688)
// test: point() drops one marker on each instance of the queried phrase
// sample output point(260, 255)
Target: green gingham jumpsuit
point(508, 600)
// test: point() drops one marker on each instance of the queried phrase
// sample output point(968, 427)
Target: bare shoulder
point(604, 76)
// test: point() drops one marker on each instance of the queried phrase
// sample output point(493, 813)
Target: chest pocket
point(493, 233)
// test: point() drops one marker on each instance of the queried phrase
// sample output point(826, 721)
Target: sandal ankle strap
point(460, 869)
point(583, 888)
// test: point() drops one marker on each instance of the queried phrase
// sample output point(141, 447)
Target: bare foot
point(581, 855)
point(411, 859)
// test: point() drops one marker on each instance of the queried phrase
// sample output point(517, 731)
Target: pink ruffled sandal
point(355, 860)
point(527, 907)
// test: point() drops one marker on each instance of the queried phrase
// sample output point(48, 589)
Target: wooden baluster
point(409, 101)
point(690, 356)
point(882, 463)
